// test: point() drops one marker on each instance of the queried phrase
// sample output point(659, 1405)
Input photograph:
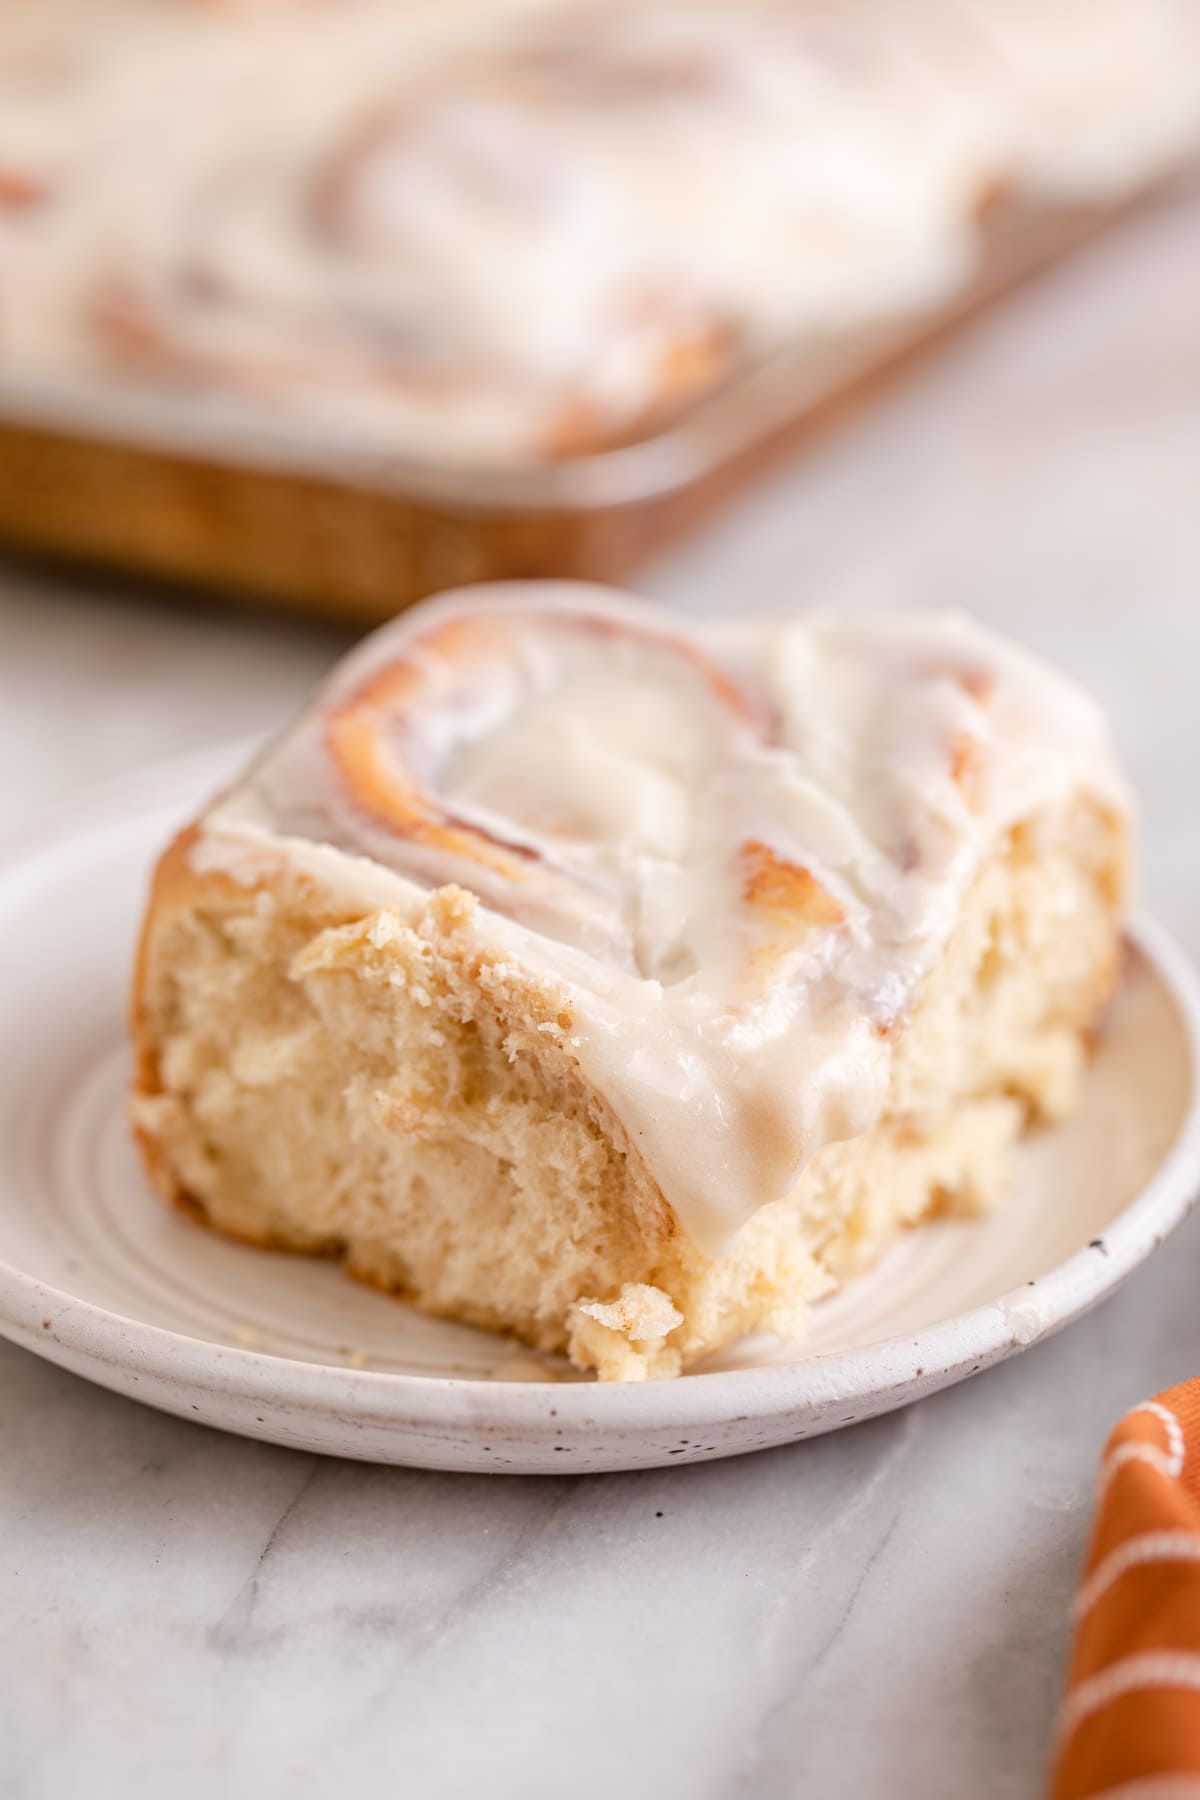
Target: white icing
point(632, 777)
point(1101, 94)
point(573, 202)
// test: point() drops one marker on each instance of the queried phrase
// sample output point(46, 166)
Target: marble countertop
point(879, 1613)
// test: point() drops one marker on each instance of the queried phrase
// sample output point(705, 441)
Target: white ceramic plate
point(98, 1276)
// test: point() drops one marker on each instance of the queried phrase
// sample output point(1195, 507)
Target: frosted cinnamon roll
point(552, 244)
point(448, 268)
point(626, 986)
point(506, 230)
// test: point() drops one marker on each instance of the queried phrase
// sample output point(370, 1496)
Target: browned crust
point(785, 892)
point(174, 885)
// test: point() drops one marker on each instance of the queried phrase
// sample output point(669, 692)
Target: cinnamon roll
point(521, 229)
point(554, 242)
point(625, 985)
point(444, 270)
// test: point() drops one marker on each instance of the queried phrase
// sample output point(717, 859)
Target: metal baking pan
point(249, 506)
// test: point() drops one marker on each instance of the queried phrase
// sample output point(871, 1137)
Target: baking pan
point(252, 507)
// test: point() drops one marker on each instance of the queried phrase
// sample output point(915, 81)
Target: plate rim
point(887, 1372)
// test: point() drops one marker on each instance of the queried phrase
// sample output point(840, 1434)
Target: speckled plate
point(97, 1275)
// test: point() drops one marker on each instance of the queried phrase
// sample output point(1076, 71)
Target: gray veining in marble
point(882, 1613)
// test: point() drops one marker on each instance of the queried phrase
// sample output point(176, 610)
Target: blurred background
point(309, 309)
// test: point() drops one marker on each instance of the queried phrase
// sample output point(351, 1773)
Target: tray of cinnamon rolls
point(335, 302)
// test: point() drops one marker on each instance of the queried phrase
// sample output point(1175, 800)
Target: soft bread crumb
point(383, 1090)
point(626, 1339)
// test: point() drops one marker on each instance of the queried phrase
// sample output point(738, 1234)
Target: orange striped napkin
point(1130, 1725)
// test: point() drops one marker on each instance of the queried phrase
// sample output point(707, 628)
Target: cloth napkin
point(1130, 1723)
